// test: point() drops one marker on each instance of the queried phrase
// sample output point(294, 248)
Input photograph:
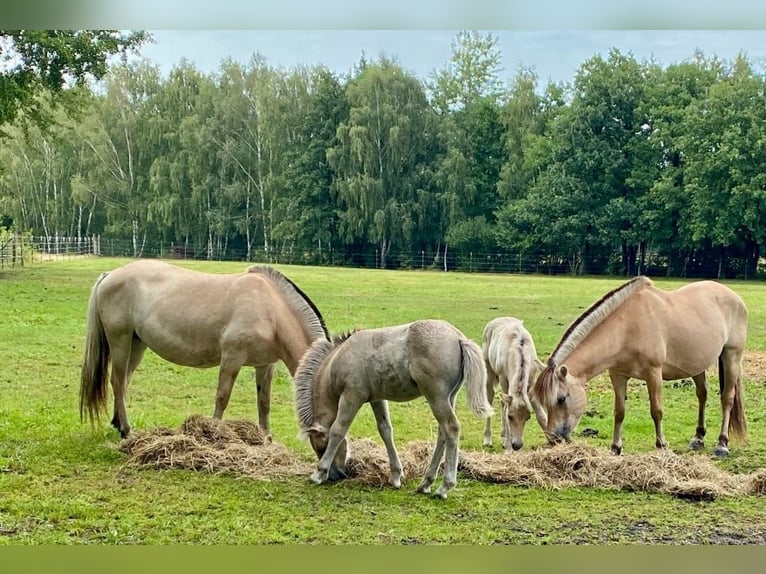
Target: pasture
point(63, 482)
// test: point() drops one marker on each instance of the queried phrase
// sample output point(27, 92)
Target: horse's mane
point(522, 376)
point(593, 316)
point(542, 388)
point(306, 373)
point(308, 369)
point(298, 300)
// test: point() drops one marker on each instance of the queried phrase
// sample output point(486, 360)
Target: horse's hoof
point(661, 445)
point(396, 482)
point(441, 492)
point(696, 444)
point(487, 443)
point(616, 450)
point(317, 477)
point(721, 451)
point(424, 489)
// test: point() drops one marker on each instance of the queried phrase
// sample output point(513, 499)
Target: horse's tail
point(737, 422)
point(95, 366)
point(474, 377)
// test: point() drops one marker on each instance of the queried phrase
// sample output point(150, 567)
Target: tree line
point(633, 167)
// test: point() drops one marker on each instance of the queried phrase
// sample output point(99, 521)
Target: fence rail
point(17, 249)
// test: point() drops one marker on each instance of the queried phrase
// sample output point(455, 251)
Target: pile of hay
point(241, 448)
point(575, 464)
point(205, 444)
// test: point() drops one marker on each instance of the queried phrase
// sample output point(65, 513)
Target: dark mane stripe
point(308, 370)
point(542, 388)
point(283, 281)
point(594, 315)
point(522, 375)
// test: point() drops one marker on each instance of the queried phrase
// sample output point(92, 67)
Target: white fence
point(17, 249)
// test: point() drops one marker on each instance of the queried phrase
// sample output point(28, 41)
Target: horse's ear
point(540, 364)
point(563, 371)
point(506, 398)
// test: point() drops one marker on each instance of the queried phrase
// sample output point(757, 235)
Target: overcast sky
point(555, 54)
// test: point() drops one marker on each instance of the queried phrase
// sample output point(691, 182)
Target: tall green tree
point(379, 159)
point(48, 61)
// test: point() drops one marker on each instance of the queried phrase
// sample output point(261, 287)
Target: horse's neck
point(594, 355)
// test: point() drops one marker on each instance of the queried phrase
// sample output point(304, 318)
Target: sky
point(555, 55)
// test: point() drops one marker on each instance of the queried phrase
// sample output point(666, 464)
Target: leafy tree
point(38, 61)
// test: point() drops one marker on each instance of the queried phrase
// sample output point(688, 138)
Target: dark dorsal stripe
point(281, 280)
point(608, 303)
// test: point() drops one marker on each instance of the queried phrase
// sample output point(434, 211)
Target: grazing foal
point(428, 358)
point(512, 364)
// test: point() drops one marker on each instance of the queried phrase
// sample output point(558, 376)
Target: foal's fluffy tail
point(95, 364)
point(475, 379)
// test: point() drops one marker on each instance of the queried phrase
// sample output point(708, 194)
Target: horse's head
point(515, 414)
point(561, 399)
point(319, 437)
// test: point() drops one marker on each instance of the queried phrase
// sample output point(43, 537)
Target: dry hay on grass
point(690, 475)
point(237, 447)
point(242, 448)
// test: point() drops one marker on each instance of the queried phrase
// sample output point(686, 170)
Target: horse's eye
point(561, 399)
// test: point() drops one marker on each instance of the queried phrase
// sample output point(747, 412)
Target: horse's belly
point(395, 390)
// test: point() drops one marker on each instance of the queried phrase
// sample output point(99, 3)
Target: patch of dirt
point(754, 366)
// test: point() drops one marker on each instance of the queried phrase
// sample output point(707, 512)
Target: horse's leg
point(263, 378)
point(433, 467)
point(654, 386)
point(620, 387)
point(227, 374)
point(380, 409)
point(700, 382)
point(125, 358)
point(731, 365)
point(347, 409)
point(504, 431)
point(491, 381)
point(449, 437)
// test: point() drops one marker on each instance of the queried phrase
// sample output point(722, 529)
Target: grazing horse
point(428, 358)
point(643, 332)
point(512, 364)
point(195, 319)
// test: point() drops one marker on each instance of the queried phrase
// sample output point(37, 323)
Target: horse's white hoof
point(318, 477)
point(424, 489)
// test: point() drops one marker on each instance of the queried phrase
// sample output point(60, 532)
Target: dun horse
point(512, 364)
point(428, 358)
point(254, 318)
point(640, 331)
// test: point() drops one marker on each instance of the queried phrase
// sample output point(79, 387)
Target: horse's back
point(507, 344)
point(394, 362)
point(685, 329)
point(187, 316)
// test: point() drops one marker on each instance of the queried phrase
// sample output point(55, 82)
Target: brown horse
point(428, 358)
point(640, 331)
point(254, 318)
point(512, 364)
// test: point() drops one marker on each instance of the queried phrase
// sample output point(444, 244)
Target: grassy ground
point(62, 482)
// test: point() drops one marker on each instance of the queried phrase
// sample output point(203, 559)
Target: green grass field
point(63, 482)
